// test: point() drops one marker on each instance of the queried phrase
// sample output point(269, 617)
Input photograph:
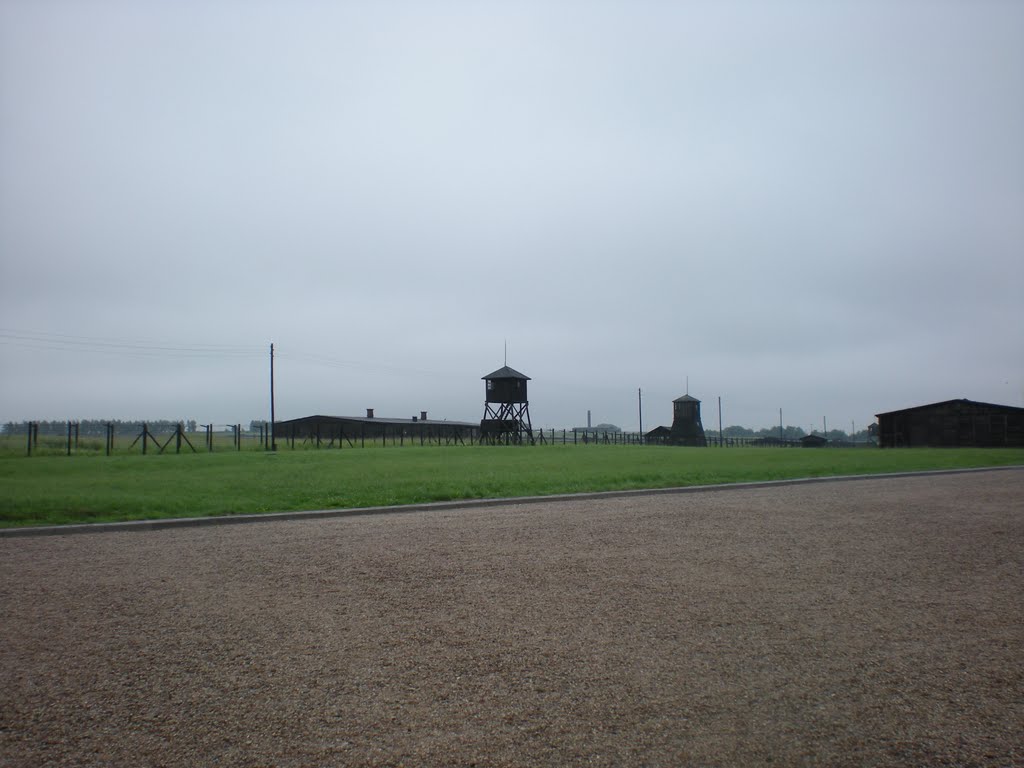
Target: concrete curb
point(271, 517)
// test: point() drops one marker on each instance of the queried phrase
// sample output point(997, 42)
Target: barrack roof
point(961, 400)
point(377, 420)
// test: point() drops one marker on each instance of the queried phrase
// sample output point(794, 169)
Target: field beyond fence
point(53, 490)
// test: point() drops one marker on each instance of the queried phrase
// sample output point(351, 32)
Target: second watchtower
point(686, 426)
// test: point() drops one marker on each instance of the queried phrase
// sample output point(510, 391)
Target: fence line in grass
point(146, 440)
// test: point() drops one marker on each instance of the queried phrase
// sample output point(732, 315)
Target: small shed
point(813, 441)
point(958, 423)
point(658, 436)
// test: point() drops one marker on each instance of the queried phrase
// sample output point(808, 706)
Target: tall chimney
point(369, 413)
point(588, 418)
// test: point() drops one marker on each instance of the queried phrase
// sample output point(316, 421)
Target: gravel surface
point(869, 622)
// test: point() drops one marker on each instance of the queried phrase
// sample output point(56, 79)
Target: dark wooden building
point(952, 424)
point(506, 408)
point(350, 430)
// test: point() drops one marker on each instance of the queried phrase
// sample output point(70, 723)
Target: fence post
point(29, 443)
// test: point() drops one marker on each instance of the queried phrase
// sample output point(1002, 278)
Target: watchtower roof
point(506, 373)
point(686, 399)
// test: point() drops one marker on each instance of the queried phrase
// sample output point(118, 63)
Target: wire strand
point(43, 340)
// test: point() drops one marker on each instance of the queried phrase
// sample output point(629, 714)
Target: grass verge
point(58, 490)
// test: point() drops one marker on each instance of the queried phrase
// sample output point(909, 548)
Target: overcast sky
point(813, 206)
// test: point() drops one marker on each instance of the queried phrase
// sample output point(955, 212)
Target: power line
point(43, 340)
point(126, 347)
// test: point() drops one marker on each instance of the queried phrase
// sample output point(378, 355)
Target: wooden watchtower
point(506, 408)
point(686, 426)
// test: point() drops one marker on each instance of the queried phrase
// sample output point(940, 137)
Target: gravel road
point(871, 622)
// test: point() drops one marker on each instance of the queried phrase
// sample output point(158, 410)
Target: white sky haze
point(810, 206)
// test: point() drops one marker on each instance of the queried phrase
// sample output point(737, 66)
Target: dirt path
point(874, 622)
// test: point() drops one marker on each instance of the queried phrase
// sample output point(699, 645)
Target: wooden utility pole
point(273, 436)
point(640, 407)
point(720, 421)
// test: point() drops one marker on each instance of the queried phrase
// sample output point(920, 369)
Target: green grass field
point(53, 490)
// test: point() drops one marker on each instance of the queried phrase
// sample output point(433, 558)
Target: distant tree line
point(791, 433)
point(98, 427)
